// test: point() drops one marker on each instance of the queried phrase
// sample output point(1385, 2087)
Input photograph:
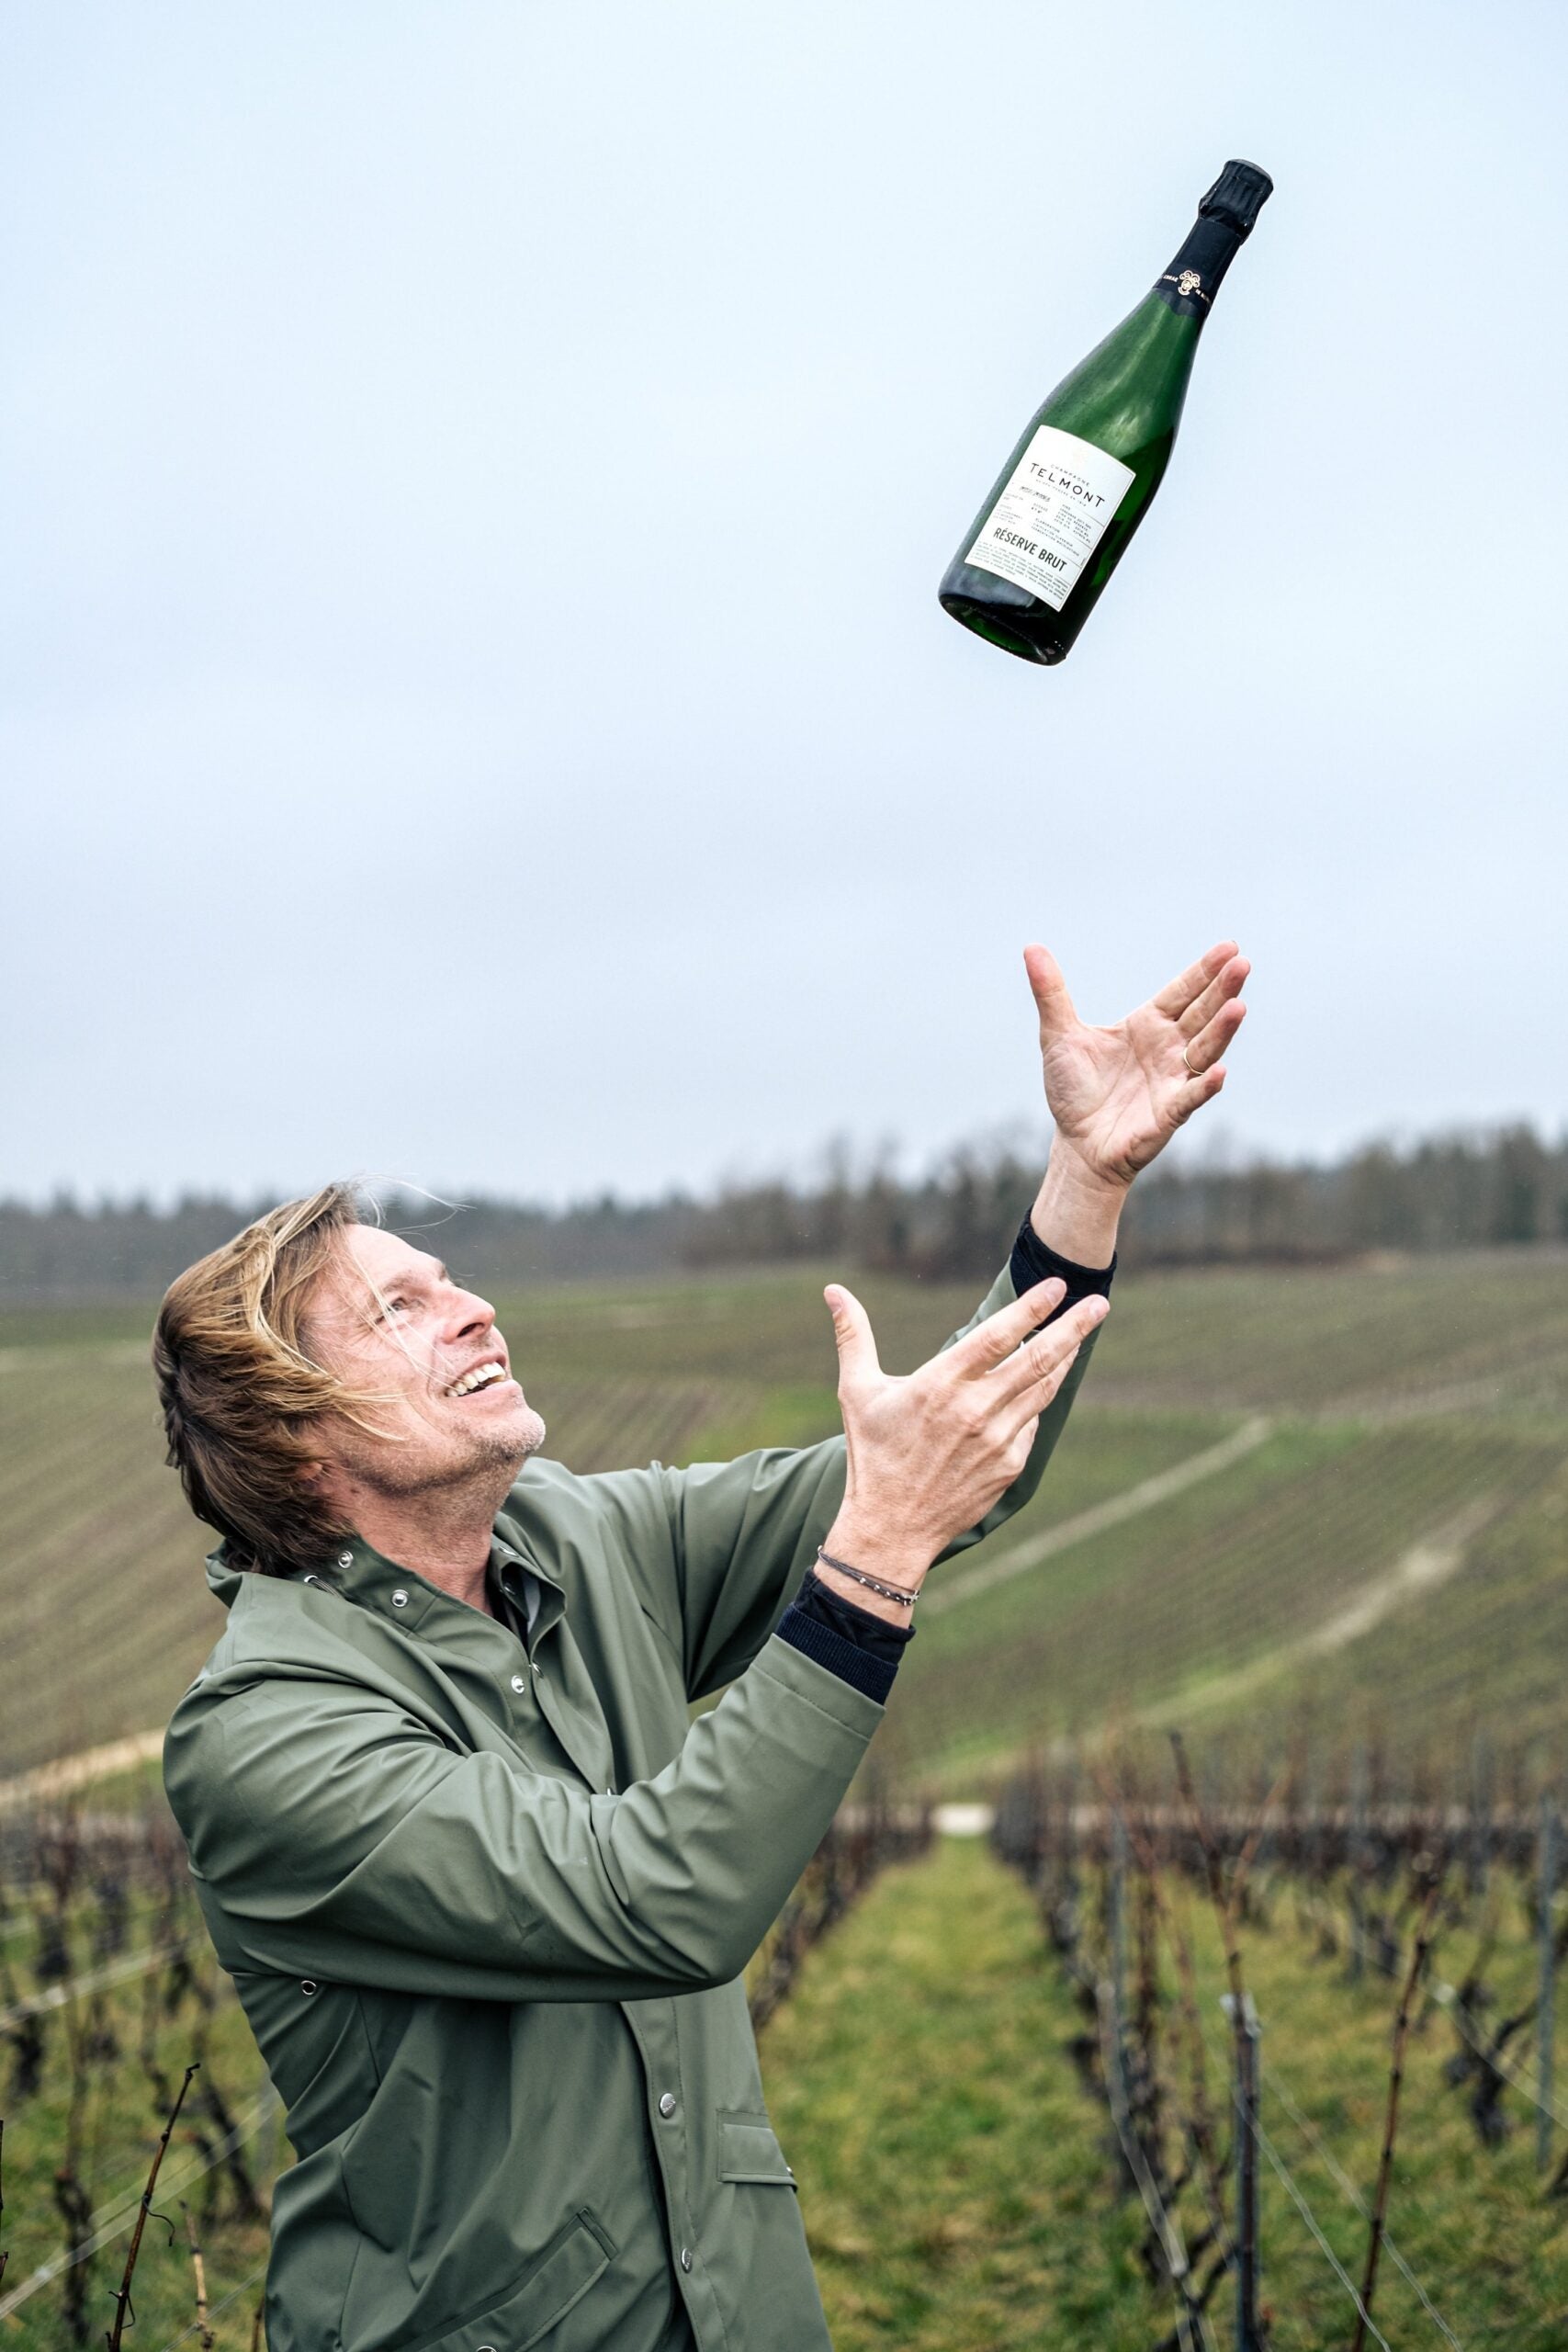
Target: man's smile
point(490, 1374)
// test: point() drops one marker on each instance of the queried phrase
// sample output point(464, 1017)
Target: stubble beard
point(486, 1466)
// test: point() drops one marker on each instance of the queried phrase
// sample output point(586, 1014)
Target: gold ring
point(1190, 1071)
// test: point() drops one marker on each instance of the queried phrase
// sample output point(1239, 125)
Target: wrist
point(1077, 1210)
point(888, 1609)
point(890, 1557)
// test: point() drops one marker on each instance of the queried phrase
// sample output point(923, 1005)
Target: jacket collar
point(364, 1575)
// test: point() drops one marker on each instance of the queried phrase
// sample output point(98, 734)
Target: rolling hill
point(1343, 1491)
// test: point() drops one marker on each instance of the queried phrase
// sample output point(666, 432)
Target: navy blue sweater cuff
point(1035, 1261)
point(861, 1668)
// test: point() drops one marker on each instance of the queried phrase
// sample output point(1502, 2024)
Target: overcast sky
point(476, 480)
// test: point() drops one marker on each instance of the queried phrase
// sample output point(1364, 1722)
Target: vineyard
point(108, 1991)
point(115, 2018)
point(1306, 1518)
point(1325, 2044)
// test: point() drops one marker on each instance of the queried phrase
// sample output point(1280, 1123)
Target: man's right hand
point(931, 1451)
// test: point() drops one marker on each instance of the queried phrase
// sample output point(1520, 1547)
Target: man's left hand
point(1118, 1095)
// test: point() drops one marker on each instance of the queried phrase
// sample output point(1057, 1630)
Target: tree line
point(1500, 1187)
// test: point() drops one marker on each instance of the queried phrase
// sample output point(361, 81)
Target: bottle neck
point(1193, 279)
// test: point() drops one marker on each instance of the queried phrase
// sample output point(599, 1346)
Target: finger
point(1195, 1093)
point(1225, 985)
point(1001, 1334)
point(853, 1336)
point(1057, 1013)
point(1037, 1398)
point(1177, 995)
point(1043, 1356)
point(1016, 1460)
point(1209, 1045)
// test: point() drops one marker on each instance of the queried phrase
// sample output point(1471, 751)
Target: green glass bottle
point(1057, 524)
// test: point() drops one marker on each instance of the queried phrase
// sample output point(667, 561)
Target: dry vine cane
point(203, 2332)
point(122, 2300)
point(1395, 2083)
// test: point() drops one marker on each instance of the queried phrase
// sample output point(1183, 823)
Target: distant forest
point(1466, 1191)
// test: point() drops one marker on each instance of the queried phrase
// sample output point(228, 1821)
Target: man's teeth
point(481, 1377)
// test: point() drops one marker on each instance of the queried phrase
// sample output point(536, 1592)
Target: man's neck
point(444, 1537)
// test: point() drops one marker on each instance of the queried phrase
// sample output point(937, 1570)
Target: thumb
point(1058, 1013)
point(852, 1334)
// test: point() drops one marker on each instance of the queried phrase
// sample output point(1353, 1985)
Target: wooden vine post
point(1546, 1996)
point(1246, 2032)
point(1358, 1863)
point(1116, 1938)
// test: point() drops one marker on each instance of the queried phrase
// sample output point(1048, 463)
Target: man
point(485, 1890)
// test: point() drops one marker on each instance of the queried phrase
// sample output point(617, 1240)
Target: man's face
point(390, 1321)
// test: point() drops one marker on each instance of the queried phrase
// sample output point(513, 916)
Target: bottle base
point(1013, 635)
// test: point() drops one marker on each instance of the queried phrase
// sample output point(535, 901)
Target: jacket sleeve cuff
point(859, 1667)
point(1034, 1261)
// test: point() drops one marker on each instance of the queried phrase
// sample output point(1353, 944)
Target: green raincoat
point(487, 1906)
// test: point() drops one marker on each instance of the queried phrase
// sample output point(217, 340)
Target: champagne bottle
point(1056, 525)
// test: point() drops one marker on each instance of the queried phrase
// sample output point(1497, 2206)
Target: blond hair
point(241, 1392)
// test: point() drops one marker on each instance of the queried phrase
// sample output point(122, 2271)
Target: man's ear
point(321, 1478)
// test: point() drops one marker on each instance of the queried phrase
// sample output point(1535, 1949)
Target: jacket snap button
point(345, 1559)
point(307, 1985)
point(667, 2103)
point(685, 2257)
point(400, 1600)
point(518, 1684)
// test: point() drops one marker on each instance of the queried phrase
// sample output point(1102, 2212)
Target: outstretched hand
point(928, 1452)
point(1118, 1095)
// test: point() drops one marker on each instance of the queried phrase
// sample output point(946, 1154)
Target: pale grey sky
point(475, 483)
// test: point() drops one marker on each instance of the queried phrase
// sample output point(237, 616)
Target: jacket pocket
point(748, 2149)
point(578, 2256)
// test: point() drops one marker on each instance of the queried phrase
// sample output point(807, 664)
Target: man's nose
point(470, 1315)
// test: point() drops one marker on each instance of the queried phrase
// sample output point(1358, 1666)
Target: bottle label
point(1051, 514)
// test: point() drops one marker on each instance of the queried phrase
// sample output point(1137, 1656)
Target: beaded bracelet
point(899, 1593)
